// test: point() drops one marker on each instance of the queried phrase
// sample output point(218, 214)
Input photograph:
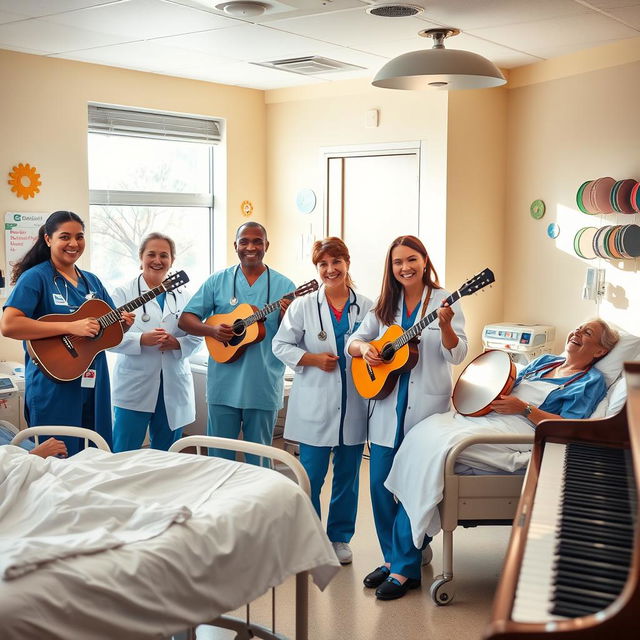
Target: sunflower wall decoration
point(24, 181)
point(246, 208)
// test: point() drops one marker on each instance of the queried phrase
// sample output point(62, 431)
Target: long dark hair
point(41, 252)
point(390, 293)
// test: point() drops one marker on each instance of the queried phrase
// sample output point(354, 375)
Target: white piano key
point(532, 601)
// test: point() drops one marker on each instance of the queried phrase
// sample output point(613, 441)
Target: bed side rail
point(246, 447)
point(454, 452)
point(88, 435)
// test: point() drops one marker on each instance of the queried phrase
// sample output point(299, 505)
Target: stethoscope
point(234, 300)
point(322, 334)
point(56, 274)
point(145, 316)
point(554, 365)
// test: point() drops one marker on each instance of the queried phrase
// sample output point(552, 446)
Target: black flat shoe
point(391, 589)
point(377, 577)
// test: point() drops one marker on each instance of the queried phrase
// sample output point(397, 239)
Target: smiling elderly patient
point(550, 387)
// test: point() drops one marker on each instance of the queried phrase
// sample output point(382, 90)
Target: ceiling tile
point(7, 16)
point(629, 15)
point(472, 14)
point(51, 38)
point(538, 38)
point(140, 19)
point(36, 8)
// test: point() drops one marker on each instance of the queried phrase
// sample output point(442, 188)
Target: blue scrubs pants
point(256, 425)
point(341, 522)
point(392, 523)
point(130, 428)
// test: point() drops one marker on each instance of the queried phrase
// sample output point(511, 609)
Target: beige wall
point(44, 123)
point(562, 130)
point(476, 153)
point(464, 142)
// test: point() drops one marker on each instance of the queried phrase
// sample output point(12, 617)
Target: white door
point(372, 199)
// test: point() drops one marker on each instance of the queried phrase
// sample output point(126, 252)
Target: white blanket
point(250, 529)
point(53, 508)
point(417, 474)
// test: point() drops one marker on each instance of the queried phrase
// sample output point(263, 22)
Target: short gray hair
point(609, 337)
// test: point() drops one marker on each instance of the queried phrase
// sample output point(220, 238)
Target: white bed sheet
point(255, 530)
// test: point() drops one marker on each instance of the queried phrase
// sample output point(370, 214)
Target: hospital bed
point(255, 530)
point(492, 499)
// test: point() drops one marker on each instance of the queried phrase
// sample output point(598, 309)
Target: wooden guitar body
point(378, 382)
point(64, 358)
point(244, 335)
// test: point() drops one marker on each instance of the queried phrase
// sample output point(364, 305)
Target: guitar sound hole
point(98, 335)
point(387, 353)
point(239, 332)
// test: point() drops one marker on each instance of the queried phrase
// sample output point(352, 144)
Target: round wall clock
point(306, 200)
point(537, 209)
point(246, 208)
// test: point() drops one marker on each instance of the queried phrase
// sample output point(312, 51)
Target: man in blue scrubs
point(247, 393)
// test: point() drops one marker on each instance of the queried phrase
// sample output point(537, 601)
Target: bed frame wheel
point(442, 590)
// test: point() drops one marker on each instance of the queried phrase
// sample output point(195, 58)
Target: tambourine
point(483, 380)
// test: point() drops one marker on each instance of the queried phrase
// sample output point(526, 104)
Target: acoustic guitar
point(399, 349)
point(247, 323)
point(66, 357)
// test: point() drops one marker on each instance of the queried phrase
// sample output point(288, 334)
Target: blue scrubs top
point(403, 383)
point(62, 403)
point(256, 379)
point(341, 329)
point(578, 400)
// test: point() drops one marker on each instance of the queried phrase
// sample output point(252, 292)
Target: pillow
point(628, 348)
point(617, 397)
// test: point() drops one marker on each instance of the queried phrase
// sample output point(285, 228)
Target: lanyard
point(555, 365)
point(234, 299)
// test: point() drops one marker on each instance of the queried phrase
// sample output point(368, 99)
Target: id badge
point(89, 379)
point(58, 299)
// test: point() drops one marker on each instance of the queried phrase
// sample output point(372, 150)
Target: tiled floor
point(348, 611)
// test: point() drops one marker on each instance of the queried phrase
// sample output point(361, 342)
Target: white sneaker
point(343, 551)
point(427, 555)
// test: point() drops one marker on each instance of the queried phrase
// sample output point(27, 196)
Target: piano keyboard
point(580, 539)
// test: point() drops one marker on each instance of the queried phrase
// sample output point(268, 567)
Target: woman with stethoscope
point(152, 380)
point(48, 281)
point(409, 291)
point(325, 414)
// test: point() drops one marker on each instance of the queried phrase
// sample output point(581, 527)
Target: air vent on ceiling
point(394, 10)
point(309, 65)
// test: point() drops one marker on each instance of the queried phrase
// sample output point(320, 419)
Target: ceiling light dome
point(243, 8)
point(439, 67)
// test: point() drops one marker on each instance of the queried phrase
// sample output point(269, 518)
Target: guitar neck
point(417, 328)
point(266, 310)
point(114, 316)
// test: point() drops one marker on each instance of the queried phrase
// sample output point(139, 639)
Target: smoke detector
point(394, 10)
point(243, 8)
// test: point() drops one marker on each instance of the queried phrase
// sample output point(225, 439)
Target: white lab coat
point(314, 409)
point(430, 383)
point(136, 375)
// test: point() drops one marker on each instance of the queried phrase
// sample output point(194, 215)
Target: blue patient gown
point(62, 403)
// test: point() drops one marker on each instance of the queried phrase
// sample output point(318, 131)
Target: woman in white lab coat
point(152, 381)
point(325, 414)
point(410, 290)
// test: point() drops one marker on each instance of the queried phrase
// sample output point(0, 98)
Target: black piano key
point(605, 516)
point(580, 579)
point(581, 530)
point(592, 566)
point(571, 609)
point(584, 596)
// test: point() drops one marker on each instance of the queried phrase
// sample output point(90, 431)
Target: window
point(150, 172)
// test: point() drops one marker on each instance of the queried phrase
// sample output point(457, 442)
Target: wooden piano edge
point(621, 617)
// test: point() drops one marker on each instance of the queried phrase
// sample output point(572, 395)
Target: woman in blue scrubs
point(48, 281)
point(325, 414)
point(410, 290)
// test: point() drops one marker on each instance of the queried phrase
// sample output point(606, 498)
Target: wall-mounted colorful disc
point(553, 230)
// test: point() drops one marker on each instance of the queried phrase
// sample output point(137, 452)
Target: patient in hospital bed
point(550, 387)
point(50, 447)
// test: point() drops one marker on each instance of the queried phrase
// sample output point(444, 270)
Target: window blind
point(148, 124)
